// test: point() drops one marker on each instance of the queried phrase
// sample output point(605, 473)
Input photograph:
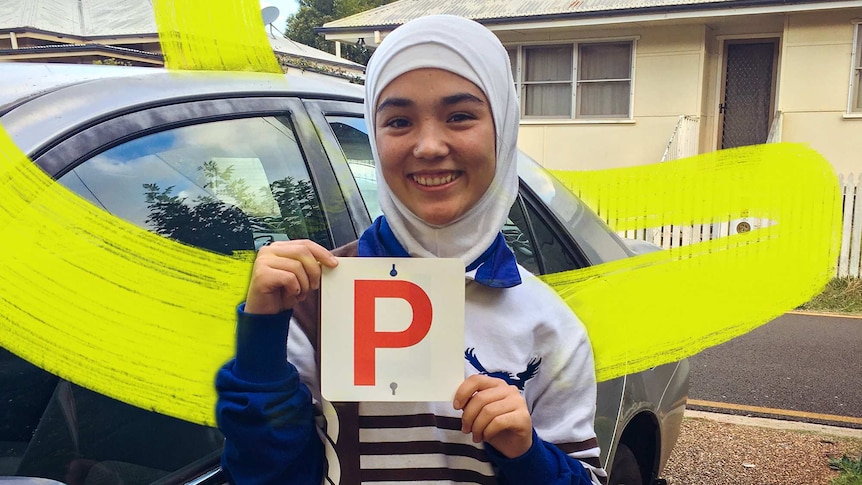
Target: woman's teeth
point(433, 181)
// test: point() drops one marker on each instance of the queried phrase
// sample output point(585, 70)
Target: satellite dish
point(270, 14)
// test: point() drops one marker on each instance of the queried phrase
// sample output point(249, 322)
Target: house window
point(604, 80)
point(547, 81)
point(580, 80)
point(856, 87)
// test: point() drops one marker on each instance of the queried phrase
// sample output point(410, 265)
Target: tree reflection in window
point(206, 223)
point(226, 186)
point(291, 210)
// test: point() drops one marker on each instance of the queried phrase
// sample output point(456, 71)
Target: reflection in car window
point(516, 232)
point(54, 429)
point(537, 248)
point(352, 135)
point(225, 186)
point(555, 257)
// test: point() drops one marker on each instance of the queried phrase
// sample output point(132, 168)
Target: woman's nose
point(431, 142)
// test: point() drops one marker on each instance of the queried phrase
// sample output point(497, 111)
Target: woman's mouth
point(435, 180)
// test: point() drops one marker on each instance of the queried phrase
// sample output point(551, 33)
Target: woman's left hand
point(495, 412)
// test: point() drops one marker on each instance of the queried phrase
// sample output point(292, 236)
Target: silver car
point(227, 162)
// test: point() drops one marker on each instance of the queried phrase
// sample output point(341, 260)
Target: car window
point(352, 135)
point(533, 240)
point(518, 236)
point(225, 186)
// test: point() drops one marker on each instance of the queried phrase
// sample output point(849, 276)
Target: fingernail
point(457, 404)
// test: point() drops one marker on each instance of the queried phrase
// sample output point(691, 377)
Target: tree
point(314, 13)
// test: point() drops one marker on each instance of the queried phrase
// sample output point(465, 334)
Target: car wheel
point(625, 469)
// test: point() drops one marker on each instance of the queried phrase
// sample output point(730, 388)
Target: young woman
point(443, 120)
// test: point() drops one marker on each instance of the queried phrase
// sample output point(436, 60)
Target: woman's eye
point(397, 123)
point(461, 117)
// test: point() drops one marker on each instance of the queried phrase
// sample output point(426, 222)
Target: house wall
point(814, 87)
point(709, 102)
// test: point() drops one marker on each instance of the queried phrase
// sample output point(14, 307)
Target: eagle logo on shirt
point(518, 380)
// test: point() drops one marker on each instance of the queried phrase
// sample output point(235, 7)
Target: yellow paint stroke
point(216, 35)
point(661, 307)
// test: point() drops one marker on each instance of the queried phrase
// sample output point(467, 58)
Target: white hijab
point(468, 49)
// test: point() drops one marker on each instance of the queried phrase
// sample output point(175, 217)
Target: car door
point(226, 175)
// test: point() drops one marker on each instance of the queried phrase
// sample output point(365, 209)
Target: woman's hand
point(283, 274)
point(496, 413)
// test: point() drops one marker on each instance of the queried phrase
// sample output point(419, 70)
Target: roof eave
point(41, 33)
point(616, 16)
point(70, 48)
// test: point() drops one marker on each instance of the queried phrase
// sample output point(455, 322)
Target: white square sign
point(392, 329)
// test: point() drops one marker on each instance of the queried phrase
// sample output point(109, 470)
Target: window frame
point(517, 52)
point(318, 112)
point(854, 98)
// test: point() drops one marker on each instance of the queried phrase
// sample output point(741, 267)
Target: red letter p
point(366, 339)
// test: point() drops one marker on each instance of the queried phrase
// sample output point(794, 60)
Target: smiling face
point(435, 138)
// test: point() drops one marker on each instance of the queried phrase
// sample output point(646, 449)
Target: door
point(748, 92)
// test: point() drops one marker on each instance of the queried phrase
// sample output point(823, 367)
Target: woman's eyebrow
point(457, 98)
point(394, 102)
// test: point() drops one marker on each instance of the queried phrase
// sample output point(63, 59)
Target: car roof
point(39, 101)
point(33, 79)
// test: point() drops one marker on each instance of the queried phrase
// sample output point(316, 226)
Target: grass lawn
point(841, 295)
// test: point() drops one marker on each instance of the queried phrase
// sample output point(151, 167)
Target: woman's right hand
point(284, 273)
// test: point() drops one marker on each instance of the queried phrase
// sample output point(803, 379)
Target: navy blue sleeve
point(542, 464)
point(264, 411)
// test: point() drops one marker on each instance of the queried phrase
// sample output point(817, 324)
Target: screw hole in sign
point(393, 274)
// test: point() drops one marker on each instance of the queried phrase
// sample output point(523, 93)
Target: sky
point(285, 8)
